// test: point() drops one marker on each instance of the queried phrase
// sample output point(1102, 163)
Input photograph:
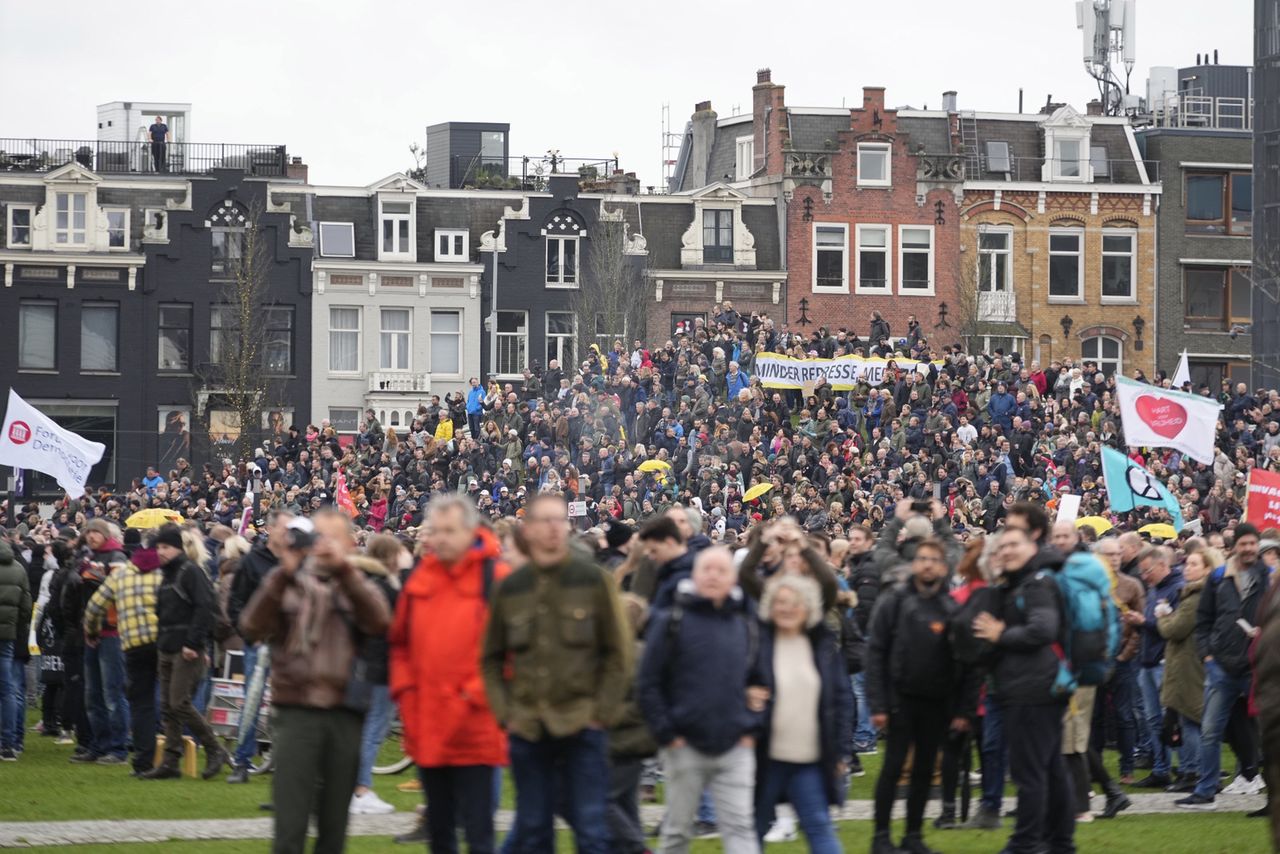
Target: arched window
point(227, 223)
point(1106, 351)
point(562, 230)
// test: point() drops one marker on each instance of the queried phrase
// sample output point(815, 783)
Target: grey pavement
point(28, 834)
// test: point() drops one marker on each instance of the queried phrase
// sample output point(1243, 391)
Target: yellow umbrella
point(654, 465)
point(152, 517)
point(756, 491)
point(1163, 530)
point(1100, 525)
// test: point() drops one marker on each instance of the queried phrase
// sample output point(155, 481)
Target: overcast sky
point(349, 85)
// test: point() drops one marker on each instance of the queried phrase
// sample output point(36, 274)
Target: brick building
point(1058, 238)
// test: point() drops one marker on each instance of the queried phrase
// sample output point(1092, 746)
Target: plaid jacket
point(132, 594)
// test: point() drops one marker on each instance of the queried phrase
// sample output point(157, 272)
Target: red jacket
point(436, 640)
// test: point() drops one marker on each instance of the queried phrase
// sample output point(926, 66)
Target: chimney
point(1215, 56)
point(624, 183)
point(703, 136)
point(1197, 59)
point(949, 100)
point(295, 168)
point(1093, 108)
point(768, 103)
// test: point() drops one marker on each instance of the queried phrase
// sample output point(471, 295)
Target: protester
point(15, 616)
point(1164, 586)
point(701, 657)
point(130, 592)
point(184, 623)
point(1183, 690)
point(436, 640)
point(314, 610)
point(105, 705)
point(1026, 670)
point(558, 613)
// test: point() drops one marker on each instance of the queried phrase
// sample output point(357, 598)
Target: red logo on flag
point(1165, 417)
point(19, 433)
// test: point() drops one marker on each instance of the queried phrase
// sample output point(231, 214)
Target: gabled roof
point(1066, 116)
point(397, 181)
point(73, 172)
point(716, 190)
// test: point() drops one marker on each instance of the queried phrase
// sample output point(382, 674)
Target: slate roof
point(1026, 150)
point(810, 132)
point(934, 132)
point(663, 224)
point(478, 213)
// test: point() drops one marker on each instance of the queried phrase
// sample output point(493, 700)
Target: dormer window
point(1069, 158)
point(397, 230)
point(1066, 145)
point(717, 237)
point(70, 218)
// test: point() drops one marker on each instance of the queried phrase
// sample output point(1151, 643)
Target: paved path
point(27, 834)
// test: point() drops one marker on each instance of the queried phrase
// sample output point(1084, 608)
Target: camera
point(300, 534)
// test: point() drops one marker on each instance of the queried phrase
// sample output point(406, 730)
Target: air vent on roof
point(998, 157)
point(1098, 160)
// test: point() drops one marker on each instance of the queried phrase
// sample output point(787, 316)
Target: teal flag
point(1129, 485)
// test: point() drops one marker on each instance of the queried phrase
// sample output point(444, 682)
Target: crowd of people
point(652, 556)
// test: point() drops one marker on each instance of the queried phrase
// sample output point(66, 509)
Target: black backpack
point(968, 648)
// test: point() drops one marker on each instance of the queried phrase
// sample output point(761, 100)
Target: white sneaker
point(1239, 786)
point(370, 804)
point(1256, 786)
point(783, 830)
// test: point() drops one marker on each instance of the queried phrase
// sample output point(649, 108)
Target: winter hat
point(168, 535)
point(618, 534)
point(132, 537)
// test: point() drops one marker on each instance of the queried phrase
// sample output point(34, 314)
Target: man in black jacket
point(915, 687)
point(665, 547)
point(184, 610)
point(1029, 625)
point(254, 567)
point(864, 580)
point(1225, 626)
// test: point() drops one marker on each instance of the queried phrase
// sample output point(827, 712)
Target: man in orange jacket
point(435, 639)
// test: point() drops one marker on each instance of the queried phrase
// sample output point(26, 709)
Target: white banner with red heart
point(1159, 418)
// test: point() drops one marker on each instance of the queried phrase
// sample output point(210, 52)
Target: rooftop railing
point(141, 158)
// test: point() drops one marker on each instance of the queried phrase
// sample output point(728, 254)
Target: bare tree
point(965, 314)
point(610, 301)
point(238, 375)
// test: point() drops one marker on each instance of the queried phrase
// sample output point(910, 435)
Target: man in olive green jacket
point(556, 666)
point(15, 622)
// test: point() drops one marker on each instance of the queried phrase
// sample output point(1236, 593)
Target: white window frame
point(887, 251)
point(8, 226)
point(1099, 359)
point(399, 251)
point(744, 157)
point(1132, 255)
point(1003, 256)
point(457, 337)
point(571, 336)
point(350, 228)
point(882, 148)
point(843, 287)
point(1078, 233)
point(521, 333)
point(347, 331)
point(558, 242)
point(453, 234)
point(903, 290)
point(70, 231)
point(408, 333)
point(106, 215)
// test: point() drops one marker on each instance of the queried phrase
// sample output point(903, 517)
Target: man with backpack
point(435, 639)
point(699, 660)
point(1027, 633)
point(184, 612)
point(915, 687)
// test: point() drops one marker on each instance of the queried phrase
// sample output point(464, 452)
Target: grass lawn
point(43, 786)
point(1165, 834)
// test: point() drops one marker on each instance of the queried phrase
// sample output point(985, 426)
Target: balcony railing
point(808, 164)
point(941, 167)
point(179, 158)
point(1121, 171)
point(399, 382)
point(997, 306)
point(524, 173)
point(1180, 110)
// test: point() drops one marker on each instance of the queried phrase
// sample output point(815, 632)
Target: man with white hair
point(691, 687)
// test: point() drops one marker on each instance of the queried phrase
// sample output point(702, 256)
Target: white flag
point(31, 440)
point(1160, 418)
point(1182, 375)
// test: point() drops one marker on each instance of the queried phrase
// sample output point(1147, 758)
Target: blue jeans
point(1189, 753)
point(995, 756)
point(255, 682)
point(104, 697)
point(537, 766)
point(1149, 681)
point(10, 711)
point(376, 723)
point(18, 735)
point(864, 735)
point(803, 787)
point(1221, 690)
